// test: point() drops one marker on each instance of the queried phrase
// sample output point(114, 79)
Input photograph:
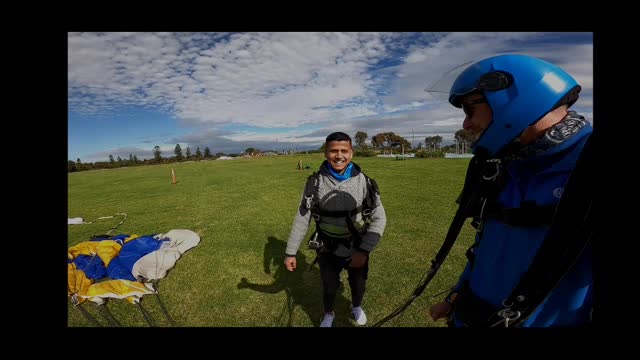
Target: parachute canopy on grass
point(123, 266)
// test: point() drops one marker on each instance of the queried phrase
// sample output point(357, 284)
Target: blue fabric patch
point(339, 177)
point(92, 266)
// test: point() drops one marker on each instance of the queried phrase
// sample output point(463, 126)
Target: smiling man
point(350, 221)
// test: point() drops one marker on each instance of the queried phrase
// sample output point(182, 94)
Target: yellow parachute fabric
point(105, 249)
point(77, 280)
point(118, 289)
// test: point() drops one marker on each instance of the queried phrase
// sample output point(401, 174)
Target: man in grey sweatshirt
point(350, 221)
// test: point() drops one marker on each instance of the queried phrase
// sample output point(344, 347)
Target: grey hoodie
point(339, 196)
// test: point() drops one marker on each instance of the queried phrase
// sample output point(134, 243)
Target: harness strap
point(471, 256)
point(331, 243)
point(528, 215)
point(340, 214)
point(312, 202)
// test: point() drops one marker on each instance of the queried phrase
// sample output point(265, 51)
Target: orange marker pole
point(173, 176)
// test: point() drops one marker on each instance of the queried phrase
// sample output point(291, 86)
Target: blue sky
point(128, 92)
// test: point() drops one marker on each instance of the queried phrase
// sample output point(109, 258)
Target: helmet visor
point(441, 88)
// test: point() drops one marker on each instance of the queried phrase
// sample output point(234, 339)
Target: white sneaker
point(327, 320)
point(359, 315)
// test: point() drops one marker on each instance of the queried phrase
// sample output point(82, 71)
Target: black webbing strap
point(527, 215)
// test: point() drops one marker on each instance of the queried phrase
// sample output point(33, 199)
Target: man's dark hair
point(338, 136)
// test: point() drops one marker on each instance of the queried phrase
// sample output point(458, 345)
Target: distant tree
point(119, 161)
point(156, 153)
point(131, 162)
point(111, 161)
point(198, 153)
point(220, 154)
point(250, 151)
point(463, 138)
point(390, 139)
point(207, 152)
point(361, 138)
point(428, 142)
point(436, 141)
point(71, 166)
point(178, 152)
point(135, 159)
point(188, 153)
point(323, 147)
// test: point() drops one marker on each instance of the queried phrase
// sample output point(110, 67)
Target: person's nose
point(467, 124)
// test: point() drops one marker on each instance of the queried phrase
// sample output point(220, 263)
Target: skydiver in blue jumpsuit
point(517, 108)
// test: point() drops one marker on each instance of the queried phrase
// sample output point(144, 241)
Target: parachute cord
point(156, 282)
point(166, 313)
point(88, 316)
point(120, 223)
point(421, 285)
point(108, 217)
point(164, 309)
point(146, 315)
point(108, 315)
point(442, 292)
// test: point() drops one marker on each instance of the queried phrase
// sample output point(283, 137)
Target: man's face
point(478, 115)
point(338, 154)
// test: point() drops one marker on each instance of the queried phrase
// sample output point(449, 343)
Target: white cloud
point(289, 79)
point(264, 79)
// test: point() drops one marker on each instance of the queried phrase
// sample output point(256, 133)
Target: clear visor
point(441, 88)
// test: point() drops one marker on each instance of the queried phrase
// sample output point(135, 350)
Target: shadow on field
point(302, 286)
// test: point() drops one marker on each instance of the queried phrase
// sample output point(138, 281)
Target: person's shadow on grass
point(302, 286)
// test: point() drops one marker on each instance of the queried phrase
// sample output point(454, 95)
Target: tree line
point(379, 142)
point(390, 140)
point(133, 160)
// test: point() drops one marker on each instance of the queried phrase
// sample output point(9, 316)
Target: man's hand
point(440, 310)
point(290, 262)
point(358, 259)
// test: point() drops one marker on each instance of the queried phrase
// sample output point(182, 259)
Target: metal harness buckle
point(497, 162)
point(507, 315)
point(307, 199)
point(314, 243)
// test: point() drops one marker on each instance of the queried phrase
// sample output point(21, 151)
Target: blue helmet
point(520, 90)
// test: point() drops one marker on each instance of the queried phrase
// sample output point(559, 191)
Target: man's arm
point(376, 229)
point(299, 228)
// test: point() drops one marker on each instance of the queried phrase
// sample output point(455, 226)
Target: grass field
point(243, 210)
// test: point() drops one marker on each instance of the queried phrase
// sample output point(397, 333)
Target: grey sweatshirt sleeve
point(299, 228)
point(376, 229)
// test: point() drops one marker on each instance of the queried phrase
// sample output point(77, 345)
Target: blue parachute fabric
point(121, 266)
point(92, 266)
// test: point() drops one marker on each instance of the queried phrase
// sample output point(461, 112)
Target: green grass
point(243, 210)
